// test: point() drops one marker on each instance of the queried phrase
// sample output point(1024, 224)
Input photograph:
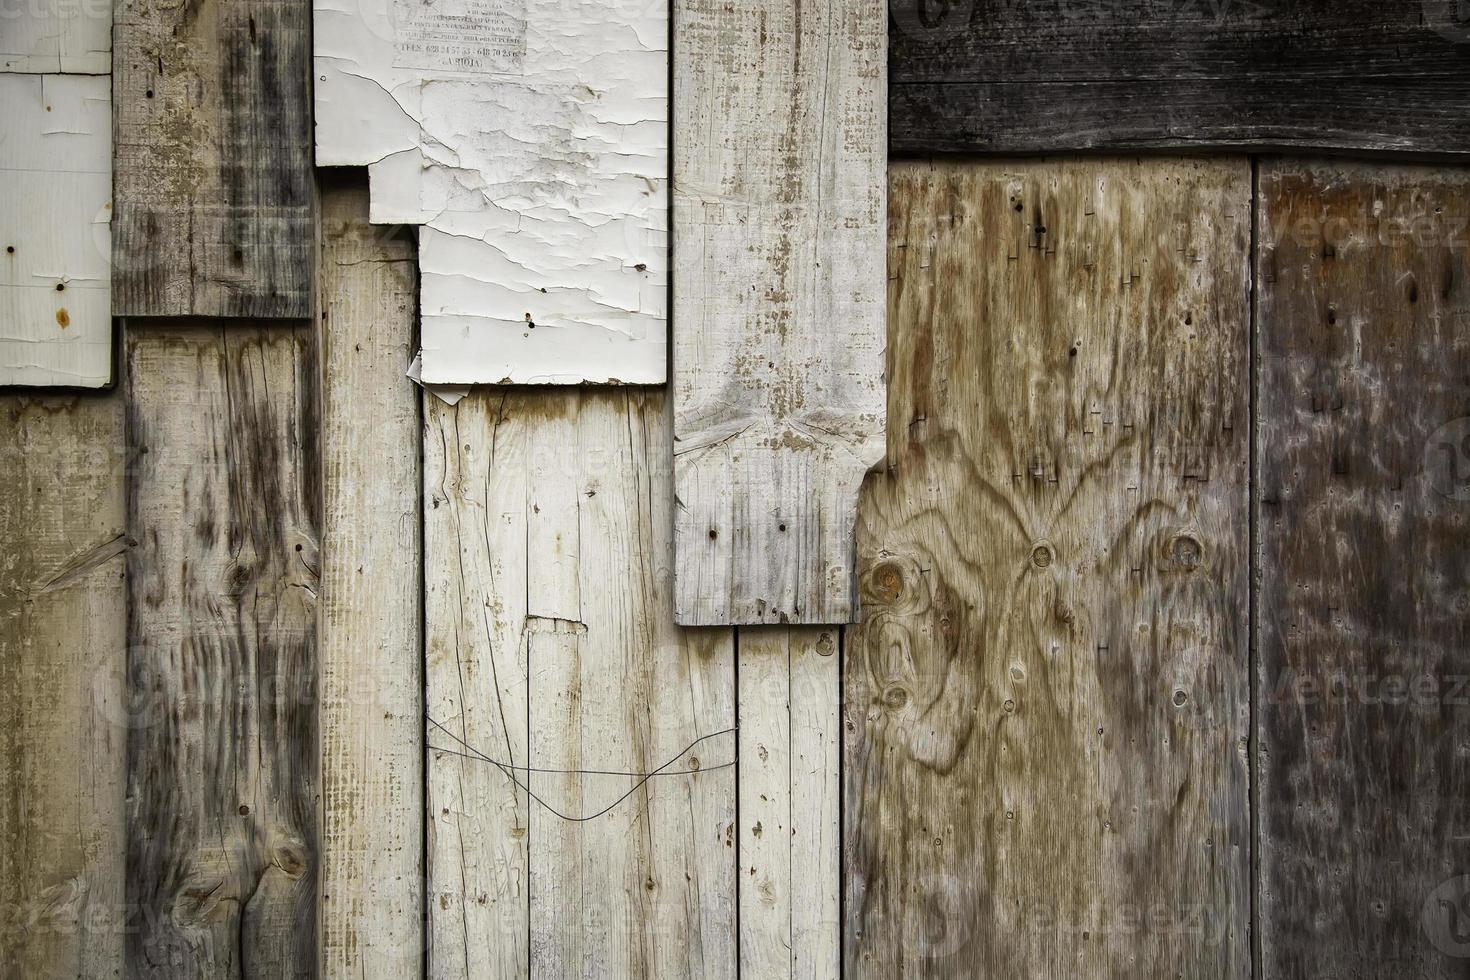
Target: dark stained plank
point(63, 718)
point(1363, 608)
point(1001, 76)
point(223, 503)
point(212, 174)
point(1046, 702)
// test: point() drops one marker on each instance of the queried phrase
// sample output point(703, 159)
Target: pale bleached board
point(223, 502)
point(1047, 710)
point(551, 644)
point(789, 788)
point(370, 622)
point(55, 206)
point(212, 157)
point(63, 707)
point(779, 116)
point(72, 37)
point(531, 142)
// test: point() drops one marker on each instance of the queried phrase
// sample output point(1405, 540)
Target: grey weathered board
point(1363, 609)
point(370, 620)
point(63, 723)
point(778, 287)
point(554, 668)
point(212, 178)
point(1007, 76)
point(1046, 711)
point(223, 507)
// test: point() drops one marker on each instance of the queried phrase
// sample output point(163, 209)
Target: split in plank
point(1046, 701)
point(778, 271)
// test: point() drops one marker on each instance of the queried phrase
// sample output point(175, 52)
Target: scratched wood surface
point(1363, 618)
point(1004, 77)
point(212, 176)
point(548, 544)
point(370, 621)
point(63, 717)
point(1046, 704)
point(223, 504)
point(790, 790)
point(779, 125)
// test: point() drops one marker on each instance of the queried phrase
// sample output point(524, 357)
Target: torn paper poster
point(55, 205)
point(529, 139)
point(71, 37)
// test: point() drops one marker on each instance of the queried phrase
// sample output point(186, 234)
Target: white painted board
point(529, 139)
point(71, 37)
point(55, 206)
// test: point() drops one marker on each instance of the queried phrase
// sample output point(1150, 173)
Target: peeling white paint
point(56, 36)
point(55, 207)
point(529, 139)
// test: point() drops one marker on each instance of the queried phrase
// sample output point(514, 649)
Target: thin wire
point(475, 755)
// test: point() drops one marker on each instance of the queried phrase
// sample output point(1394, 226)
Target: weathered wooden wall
point(1046, 700)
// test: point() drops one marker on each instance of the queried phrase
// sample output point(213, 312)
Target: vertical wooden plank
point(1363, 619)
point(370, 617)
point(779, 116)
point(1046, 701)
point(223, 502)
point(789, 786)
point(63, 714)
point(565, 530)
point(212, 159)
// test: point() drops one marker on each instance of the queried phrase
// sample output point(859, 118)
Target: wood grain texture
point(552, 645)
point(778, 259)
point(1046, 704)
point(371, 646)
point(998, 76)
point(790, 789)
point(212, 175)
point(223, 503)
point(1363, 618)
point(62, 712)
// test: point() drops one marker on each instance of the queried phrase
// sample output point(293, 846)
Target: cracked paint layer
point(55, 283)
point(72, 37)
point(529, 140)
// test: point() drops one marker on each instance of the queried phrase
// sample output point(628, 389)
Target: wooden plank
point(370, 617)
point(212, 172)
point(56, 165)
point(789, 787)
point(1363, 626)
point(63, 708)
point(223, 502)
point(778, 259)
point(1046, 701)
point(601, 681)
point(998, 76)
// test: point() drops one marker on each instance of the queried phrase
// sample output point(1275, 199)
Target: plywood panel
point(1363, 618)
point(530, 139)
point(1003, 77)
point(212, 142)
point(778, 390)
point(55, 161)
point(63, 707)
point(790, 790)
point(223, 504)
point(1046, 704)
point(603, 873)
point(370, 627)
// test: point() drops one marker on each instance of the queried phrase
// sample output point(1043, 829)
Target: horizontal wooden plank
point(1363, 615)
point(212, 172)
point(998, 76)
point(1046, 705)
